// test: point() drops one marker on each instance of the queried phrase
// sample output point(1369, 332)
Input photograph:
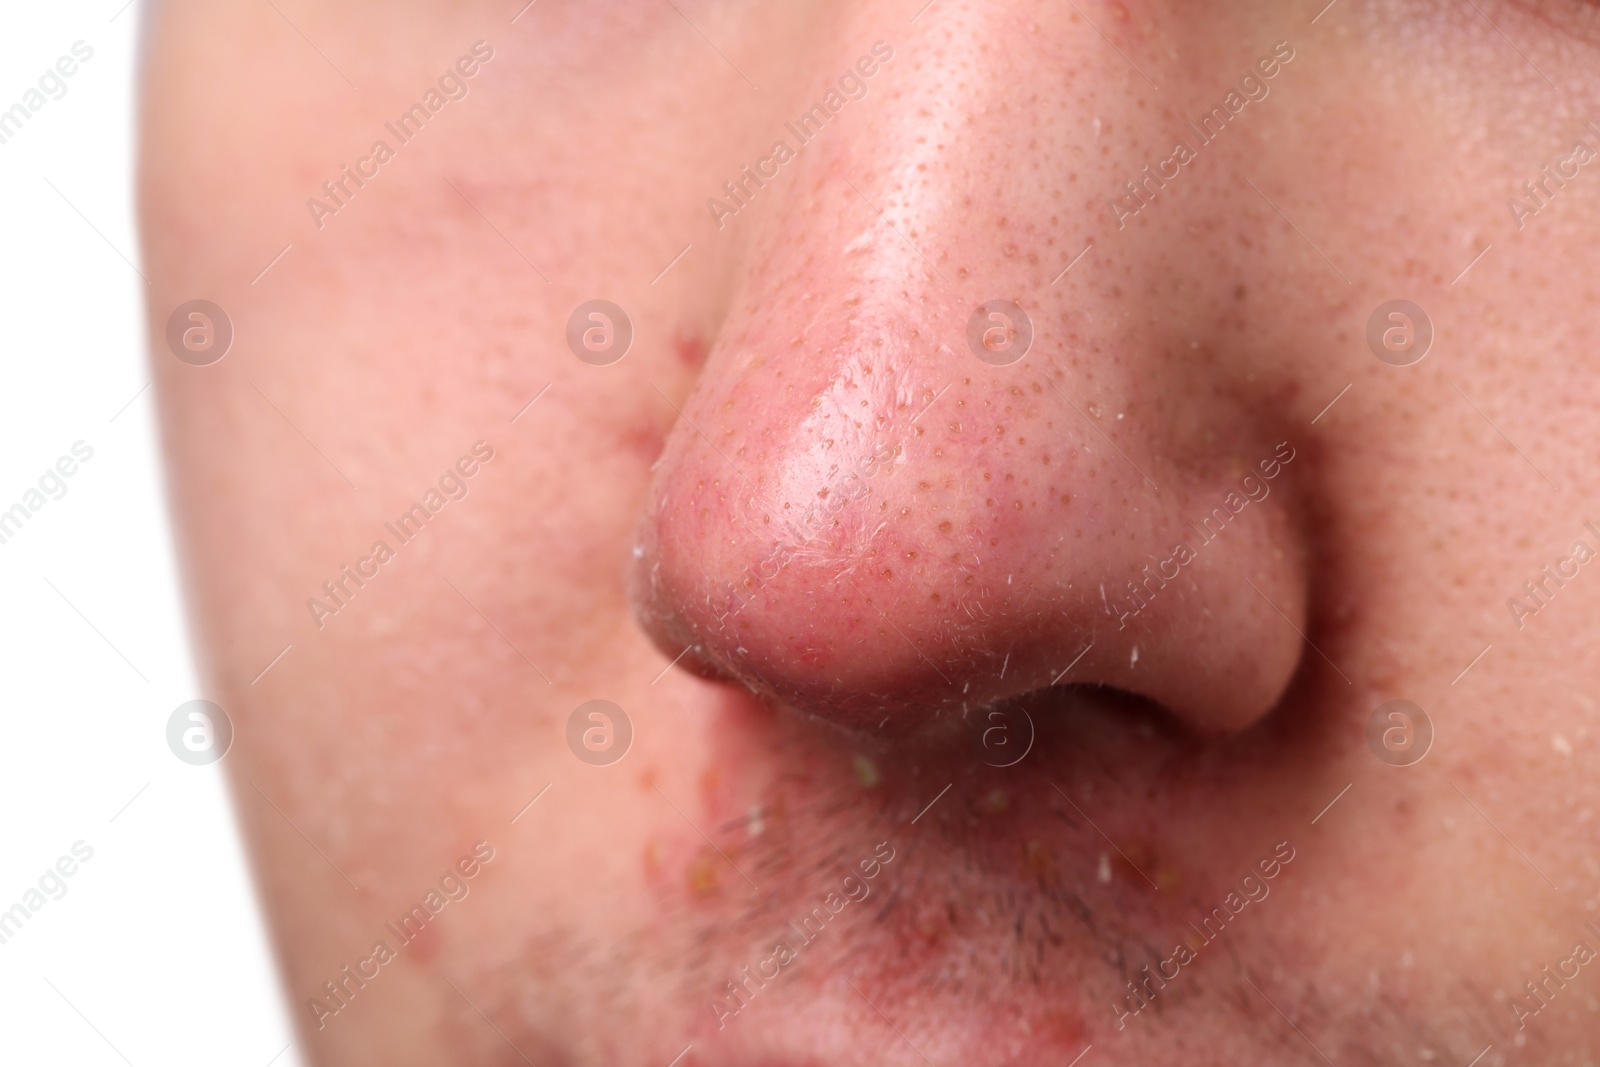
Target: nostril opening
point(1040, 723)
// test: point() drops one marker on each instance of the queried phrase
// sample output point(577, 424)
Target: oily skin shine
point(816, 711)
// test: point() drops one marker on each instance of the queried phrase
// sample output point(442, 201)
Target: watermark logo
point(999, 333)
point(1548, 983)
point(1399, 333)
point(1007, 736)
point(1540, 590)
point(1252, 88)
point(740, 192)
point(599, 732)
point(748, 983)
point(199, 332)
point(199, 732)
point(1146, 985)
point(1399, 733)
point(451, 888)
point(452, 85)
point(599, 332)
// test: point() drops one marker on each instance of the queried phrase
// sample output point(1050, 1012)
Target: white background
point(156, 954)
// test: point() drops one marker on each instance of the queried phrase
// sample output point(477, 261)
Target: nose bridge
point(850, 316)
point(914, 134)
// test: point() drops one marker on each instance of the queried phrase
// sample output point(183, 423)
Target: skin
point(801, 687)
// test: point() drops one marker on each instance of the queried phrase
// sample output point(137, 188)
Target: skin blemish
point(691, 351)
point(866, 772)
point(704, 872)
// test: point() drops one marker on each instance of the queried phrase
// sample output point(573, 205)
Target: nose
point(870, 510)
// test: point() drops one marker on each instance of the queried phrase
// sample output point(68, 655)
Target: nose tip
point(887, 530)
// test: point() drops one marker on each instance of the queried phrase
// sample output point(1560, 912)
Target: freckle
point(823, 492)
point(1024, 440)
point(1009, 478)
point(955, 557)
point(924, 485)
point(1066, 498)
point(989, 503)
point(993, 541)
point(944, 527)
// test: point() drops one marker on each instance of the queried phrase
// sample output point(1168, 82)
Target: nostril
point(846, 635)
